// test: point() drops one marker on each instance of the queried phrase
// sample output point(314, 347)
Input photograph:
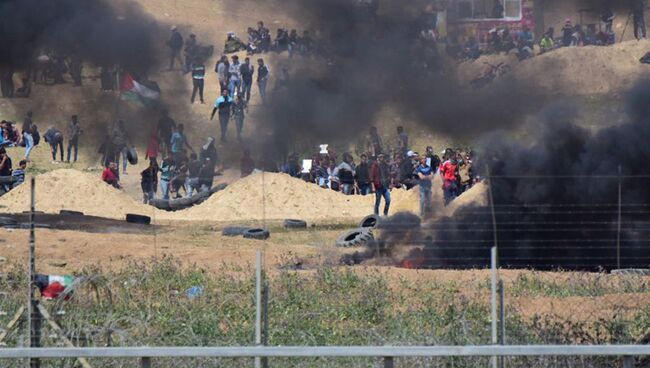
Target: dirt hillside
point(573, 70)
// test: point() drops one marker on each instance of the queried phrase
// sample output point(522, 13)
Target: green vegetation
point(147, 304)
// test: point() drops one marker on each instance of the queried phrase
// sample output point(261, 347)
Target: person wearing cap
point(175, 44)
point(407, 175)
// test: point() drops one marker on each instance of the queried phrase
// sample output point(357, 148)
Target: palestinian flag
point(145, 92)
point(51, 286)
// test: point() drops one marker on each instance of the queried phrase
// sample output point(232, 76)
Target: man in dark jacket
point(54, 137)
point(407, 175)
point(363, 176)
point(175, 45)
point(380, 178)
point(247, 70)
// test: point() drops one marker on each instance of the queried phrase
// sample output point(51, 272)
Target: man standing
point(166, 126)
point(74, 131)
point(449, 172)
point(198, 78)
point(54, 137)
point(120, 139)
point(28, 136)
point(239, 113)
point(149, 181)
point(223, 104)
point(638, 10)
point(193, 172)
point(175, 44)
point(234, 86)
point(222, 71)
point(363, 176)
point(246, 71)
point(166, 173)
point(380, 178)
point(425, 174)
point(178, 142)
point(263, 74)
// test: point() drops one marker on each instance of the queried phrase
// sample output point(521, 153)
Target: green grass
point(146, 304)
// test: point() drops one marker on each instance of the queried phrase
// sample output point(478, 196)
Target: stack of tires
point(361, 235)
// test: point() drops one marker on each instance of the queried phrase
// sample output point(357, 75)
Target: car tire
point(234, 230)
point(295, 224)
point(138, 219)
point(258, 234)
point(369, 221)
point(355, 238)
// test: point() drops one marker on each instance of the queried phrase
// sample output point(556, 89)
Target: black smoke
point(101, 32)
point(556, 200)
point(369, 59)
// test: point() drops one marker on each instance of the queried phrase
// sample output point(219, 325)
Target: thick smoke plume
point(376, 60)
point(93, 30)
point(556, 200)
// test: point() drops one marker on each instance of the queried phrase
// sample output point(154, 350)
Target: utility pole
point(33, 315)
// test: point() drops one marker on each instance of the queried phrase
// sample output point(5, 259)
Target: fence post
point(502, 320)
point(628, 362)
point(618, 232)
point(493, 298)
point(258, 305)
point(145, 362)
point(265, 314)
point(388, 362)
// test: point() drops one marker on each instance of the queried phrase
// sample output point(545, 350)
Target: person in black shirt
point(363, 176)
point(149, 181)
point(223, 105)
point(263, 74)
point(5, 169)
point(166, 126)
point(175, 44)
point(198, 77)
point(247, 70)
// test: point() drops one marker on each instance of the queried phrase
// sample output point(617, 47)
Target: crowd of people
point(381, 169)
point(521, 42)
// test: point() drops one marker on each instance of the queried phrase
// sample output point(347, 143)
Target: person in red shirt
point(109, 176)
point(449, 171)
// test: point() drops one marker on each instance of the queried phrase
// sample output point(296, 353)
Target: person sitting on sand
point(110, 176)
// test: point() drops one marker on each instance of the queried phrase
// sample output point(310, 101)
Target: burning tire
point(258, 234)
point(234, 230)
point(138, 219)
point(369, 221)
point(295, 224)
point(355, 238)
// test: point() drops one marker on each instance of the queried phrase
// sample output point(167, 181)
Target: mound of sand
point(409, 201)
point(73, 190)
point(278, 196)
point(574, 70)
